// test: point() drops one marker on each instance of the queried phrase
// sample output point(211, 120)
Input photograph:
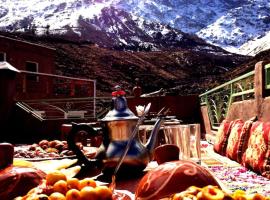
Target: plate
point(89, 152)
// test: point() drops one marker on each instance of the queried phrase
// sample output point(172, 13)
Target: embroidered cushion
point(221, 139)
point(237, 141)
point(257, 154)
point(233, 139)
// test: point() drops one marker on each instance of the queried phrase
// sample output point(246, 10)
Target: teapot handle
point(76, 128)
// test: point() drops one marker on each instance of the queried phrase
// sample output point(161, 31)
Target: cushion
point(237, 141)
point(222, 136)
point(257, 154)
point(233, 139)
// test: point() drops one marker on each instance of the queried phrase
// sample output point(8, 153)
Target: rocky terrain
point(178, 71)
point(166, 44)
point(149, 24)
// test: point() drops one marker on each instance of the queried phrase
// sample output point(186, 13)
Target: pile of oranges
point(58, 187)
point(214, 193)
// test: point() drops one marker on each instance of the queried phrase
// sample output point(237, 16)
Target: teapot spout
point(150, 145)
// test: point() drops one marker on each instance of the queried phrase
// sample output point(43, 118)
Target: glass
point(172, 135)
point(188, 138)
point(185, 142)
point(195, 142)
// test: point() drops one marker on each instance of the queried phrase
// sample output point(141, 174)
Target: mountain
point(256, 46)
point(177, 71)
point(147, 24)
point(225, 23)
point(248, 65)
point(113, 42)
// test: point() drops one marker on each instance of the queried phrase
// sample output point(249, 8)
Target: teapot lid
point(120, 109)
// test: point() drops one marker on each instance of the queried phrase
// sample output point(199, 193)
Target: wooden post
point(259, 85)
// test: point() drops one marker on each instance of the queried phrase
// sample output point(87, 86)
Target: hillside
point(149, 24)
point(178, 71)
point(249, 64)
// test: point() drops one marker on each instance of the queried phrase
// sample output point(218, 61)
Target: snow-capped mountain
point(225, 23)
point(98, 22)
point(144, 23)
point(255, 46)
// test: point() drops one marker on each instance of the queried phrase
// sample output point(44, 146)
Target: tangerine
point(104, 193)
point(57, 196)
point(87, 182)
point(88, 193)
point(73, 194)
point(60, 186)
point(54, 176)
point(73, 183)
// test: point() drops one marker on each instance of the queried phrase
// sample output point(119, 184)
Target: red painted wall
point(185, 108)
point(18, 52)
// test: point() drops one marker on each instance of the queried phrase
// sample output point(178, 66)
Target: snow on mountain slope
point(255, 46)
point(55, 13)
point(239, 25)
point(188, 16)
point(98, 22)
point(225, 23)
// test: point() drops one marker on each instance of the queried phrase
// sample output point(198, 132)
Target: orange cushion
point(222, 137)
point(237, 141)
point(257, 154)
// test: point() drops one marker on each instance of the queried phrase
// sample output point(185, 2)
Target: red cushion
point(222, 137)
point(233, 139)
point(257, 154)
point(237, 141)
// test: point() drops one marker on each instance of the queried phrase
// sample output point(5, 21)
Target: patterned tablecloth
point(232, 175)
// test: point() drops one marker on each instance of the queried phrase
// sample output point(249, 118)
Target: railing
point(267, 76)
point(219, 99)
point(52, 97)
point(34, 85)
point(68, 108)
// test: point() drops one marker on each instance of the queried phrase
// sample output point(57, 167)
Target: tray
point(90, 152)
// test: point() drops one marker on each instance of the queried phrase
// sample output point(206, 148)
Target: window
point(32, 67)
point(2, 56)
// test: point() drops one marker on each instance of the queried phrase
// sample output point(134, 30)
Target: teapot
point(117, 127)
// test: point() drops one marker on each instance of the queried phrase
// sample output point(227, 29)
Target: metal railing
point(67, 108)
point(219, 99)
point(267, 76)
point(52, 97)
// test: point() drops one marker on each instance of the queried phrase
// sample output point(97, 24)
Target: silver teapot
point(118, 126)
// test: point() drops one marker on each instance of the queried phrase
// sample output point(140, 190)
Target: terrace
point(66, 99)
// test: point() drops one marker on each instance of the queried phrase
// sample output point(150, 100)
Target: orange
point(54, 176)
point(88, 193)
point(73, 194)
point(104, 193)
point(73, 183)
point(60, 186)
point(57, 196)
point(87, 182)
